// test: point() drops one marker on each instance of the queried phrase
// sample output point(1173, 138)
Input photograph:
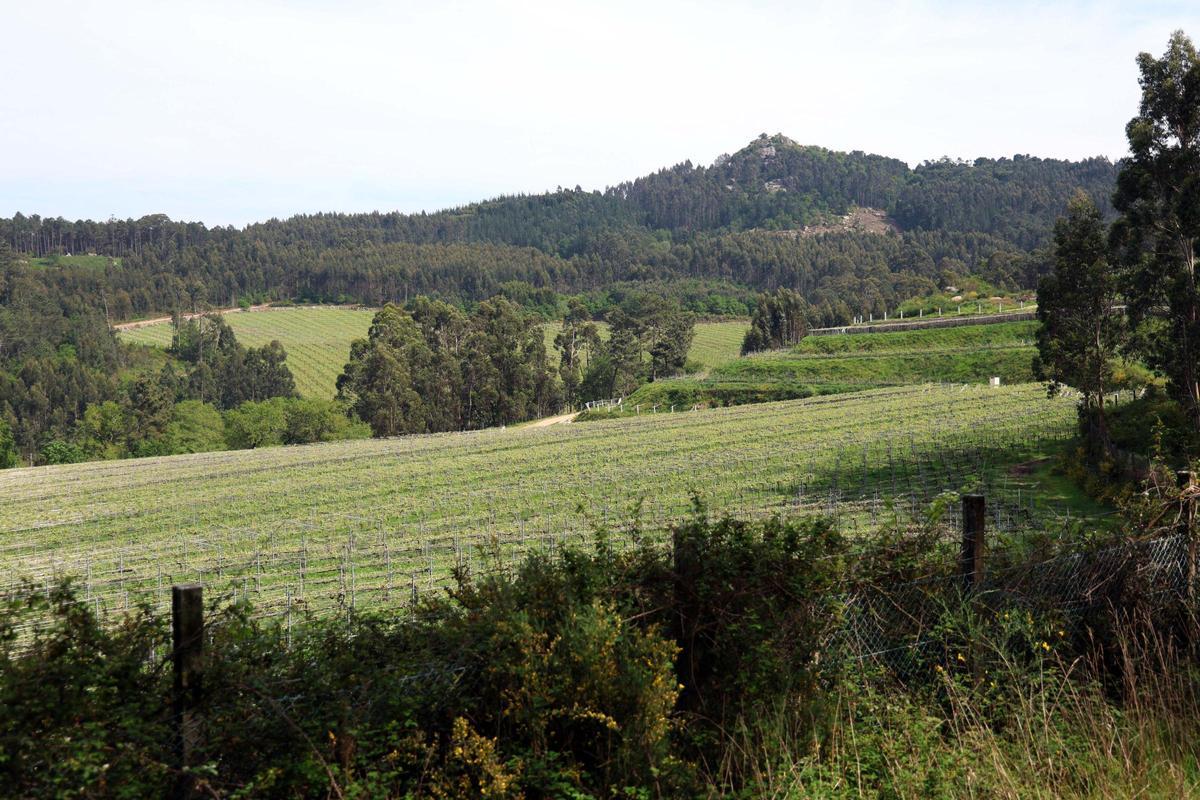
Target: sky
point(235, 112)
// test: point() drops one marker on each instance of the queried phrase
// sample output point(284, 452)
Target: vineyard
point(834, 364)
point(714, 343)
point(317, 340)
point(355, 524)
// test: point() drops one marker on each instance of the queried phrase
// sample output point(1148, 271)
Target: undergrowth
point(713, 667)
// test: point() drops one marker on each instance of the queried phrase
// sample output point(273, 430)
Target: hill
point(822, 365)
point(866, 231)
point(366, 521)
point(855, 234)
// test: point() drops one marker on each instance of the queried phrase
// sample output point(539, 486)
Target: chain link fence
point(895, 623)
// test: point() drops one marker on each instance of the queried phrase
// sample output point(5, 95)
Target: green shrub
point(703, 668)
point(255, 424)
point(289, 420)
point(195, 427)
point(62, 452)
point(9, 456)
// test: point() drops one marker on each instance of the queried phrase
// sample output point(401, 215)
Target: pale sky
point(234, 112)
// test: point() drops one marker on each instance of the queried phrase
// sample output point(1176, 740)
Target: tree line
point(772, 183)
point(428, 366)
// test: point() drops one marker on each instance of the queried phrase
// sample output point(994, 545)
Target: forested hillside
point(852, 233)
point(750, 220)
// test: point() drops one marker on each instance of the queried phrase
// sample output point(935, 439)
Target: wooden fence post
point(1187, 525)
point(187, 637)
point(687, 567)
point(970, 563)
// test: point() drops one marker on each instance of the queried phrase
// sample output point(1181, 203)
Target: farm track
point(146, 323)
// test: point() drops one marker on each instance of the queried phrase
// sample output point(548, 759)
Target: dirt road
point(144, 323)
point(560, 419)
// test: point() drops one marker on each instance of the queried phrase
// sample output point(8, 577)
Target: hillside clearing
point(317, 340)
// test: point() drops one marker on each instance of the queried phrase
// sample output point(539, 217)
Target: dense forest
point(770, 215)
point(698, 240)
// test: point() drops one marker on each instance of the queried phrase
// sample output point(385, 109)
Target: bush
point(195, 427)
point(556, 680)
point(61, 452)
point(84, 711)
point(289, 420)
point(9, 457)
point(701, 669)
point(308, 421)
point(256, 424)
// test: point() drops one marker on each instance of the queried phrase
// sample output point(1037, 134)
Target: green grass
point(365, 521)
point(717, 343)
point(317, 340)
point(1002, 334)
point(834, 364)
point(714, 343)
point(93, 262)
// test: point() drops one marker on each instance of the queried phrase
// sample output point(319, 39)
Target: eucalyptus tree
point(1158, 197)
point(1081, 332)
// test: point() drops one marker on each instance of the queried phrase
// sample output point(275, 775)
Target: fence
point(593, 405)
point(914, 325)
point(898, 625)
point(337, 565)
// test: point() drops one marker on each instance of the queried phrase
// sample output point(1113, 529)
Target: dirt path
point(560, 419)
point(145, 323)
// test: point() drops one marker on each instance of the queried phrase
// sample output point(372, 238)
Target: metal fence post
point(187, 636)
point(970, 563)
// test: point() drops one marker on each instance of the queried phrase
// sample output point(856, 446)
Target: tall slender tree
point(1081, 332)
point(779, 320)
point(1158, 197)
point(577, 340)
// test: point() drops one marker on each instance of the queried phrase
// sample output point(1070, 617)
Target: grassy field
point(98, 263)
point(715, 343)
point(834, 364)
point(367, 522)
point(317, 340)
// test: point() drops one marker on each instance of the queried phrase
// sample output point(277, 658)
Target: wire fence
point(896, 623)
point(901, 625)
point(338, 563)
